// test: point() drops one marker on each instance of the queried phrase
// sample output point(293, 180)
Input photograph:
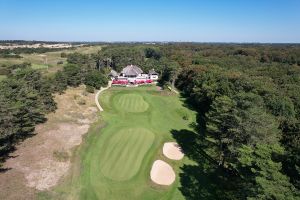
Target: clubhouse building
point(133, 75)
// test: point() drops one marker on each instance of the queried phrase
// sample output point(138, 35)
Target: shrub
point(81, 101)
point(185, 116)
point(63, 55)
point(90, 89)
point(76, 96)
point(61, 156)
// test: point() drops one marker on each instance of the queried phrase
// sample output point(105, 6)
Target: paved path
point(97, 96)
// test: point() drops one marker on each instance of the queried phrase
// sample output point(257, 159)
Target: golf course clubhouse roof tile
point(131, 70)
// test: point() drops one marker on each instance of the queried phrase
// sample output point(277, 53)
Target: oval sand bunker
point(172, 151)
point(162, 173)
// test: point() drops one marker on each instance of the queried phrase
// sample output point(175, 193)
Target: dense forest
point(247, 133)
point(246, 141)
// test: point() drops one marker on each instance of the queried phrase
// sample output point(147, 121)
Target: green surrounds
point(115, 160)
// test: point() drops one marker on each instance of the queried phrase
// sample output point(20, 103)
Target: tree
point(152, 53)
point(259, 167)
point(95, 79)
point(222, 126)
point(73, 75)
point(169, 71)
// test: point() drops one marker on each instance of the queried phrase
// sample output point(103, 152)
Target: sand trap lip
point(172, 151)
point(162, 173)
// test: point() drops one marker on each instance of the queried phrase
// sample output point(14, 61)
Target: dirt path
point(97, 96)
point(42, 160)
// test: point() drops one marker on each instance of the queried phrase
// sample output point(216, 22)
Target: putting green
point(125, 148)
point(131, 103)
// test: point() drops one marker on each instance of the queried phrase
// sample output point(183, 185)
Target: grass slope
point(115, 161)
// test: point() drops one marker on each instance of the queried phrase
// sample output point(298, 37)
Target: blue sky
point(151, 20)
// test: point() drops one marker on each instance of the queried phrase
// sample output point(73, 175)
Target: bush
point(81, 101)
point(63, 55)
point(90, 89)
point(76, 96)
point(185, 116)
point(61, 156)
point(84, 93)
point(60, 62)
point(95, 79)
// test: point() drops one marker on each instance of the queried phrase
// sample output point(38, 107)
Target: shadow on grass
point(204, 179)
point(192, 145)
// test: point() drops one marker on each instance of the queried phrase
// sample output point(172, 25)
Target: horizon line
point(141, 41)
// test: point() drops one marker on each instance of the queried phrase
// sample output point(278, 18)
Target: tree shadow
point(192, 145)
point(196, 184)
point(199, 126)
point(3, 170)
point(5, 154)
point(205, 179)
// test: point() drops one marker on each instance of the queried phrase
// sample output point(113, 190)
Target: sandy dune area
point(42, 160)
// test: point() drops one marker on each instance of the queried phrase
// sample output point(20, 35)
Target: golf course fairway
point(115, 159)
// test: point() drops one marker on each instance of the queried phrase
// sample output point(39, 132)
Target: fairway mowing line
point(111, 150)
point(113, 154)
point(133, 159)
point(127, 149)
point(129, 159)
point(120, 153)
point(131, 103)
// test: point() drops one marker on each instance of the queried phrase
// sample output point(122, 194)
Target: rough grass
point(115, 161)
point(39, 66)
point(37, 60)
point(2, 77)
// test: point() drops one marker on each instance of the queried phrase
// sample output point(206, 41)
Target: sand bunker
point(162, 173)
point(172, 151)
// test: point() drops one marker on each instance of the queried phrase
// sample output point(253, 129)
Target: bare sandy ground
point(172, 151)
point(162, 173)
point(42, 160)
point(34, 46)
